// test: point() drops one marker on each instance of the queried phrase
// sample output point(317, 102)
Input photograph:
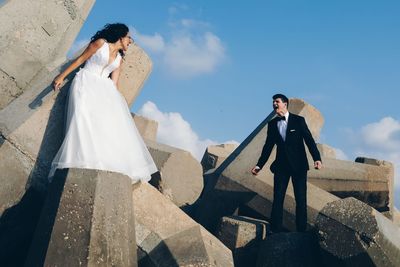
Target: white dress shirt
point(282, 126)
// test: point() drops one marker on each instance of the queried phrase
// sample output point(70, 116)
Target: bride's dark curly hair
point(112, 33)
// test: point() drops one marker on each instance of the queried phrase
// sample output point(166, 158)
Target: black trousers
point(299, 181)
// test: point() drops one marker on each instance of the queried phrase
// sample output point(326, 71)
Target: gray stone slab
point(215, 155)
point(243, 235)
point(313, 116)
point(396, 217)
point(326, 151)
point(238, 231)
point(352, 233)
point(33, 36)
point(166, 236)
point(146, 127)
point(87, 220)
point(135, 70)
point(180, 174)
point(370, 183)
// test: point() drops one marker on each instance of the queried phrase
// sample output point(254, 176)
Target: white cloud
point(381, 140)
point(154, 43)
point(191, 49)
point(175, 131)
point(383, 135)
point(176, 8)
point(187, 57)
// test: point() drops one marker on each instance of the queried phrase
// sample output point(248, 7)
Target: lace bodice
point(98, 62)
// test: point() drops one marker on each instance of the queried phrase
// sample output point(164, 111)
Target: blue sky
point(217, 64)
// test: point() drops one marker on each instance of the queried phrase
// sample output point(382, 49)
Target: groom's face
point(279, 106)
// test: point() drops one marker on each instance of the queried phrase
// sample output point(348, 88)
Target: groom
point(288, 132)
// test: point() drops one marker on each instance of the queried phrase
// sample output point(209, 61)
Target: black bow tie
point(283, 118)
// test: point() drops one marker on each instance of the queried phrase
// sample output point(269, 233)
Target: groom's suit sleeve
point(309, 140)
point(269, 144)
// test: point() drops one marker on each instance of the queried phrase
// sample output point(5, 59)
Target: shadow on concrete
point(18, 223)
point(17, 226)
point(40, 241)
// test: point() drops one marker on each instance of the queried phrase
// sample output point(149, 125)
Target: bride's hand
point(57, 82)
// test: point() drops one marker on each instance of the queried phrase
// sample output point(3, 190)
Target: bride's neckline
point(109, 62)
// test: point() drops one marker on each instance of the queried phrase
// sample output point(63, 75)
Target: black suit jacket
point(290, 153)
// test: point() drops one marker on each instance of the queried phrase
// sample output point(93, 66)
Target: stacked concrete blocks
point(87, 220)
point(166, 236)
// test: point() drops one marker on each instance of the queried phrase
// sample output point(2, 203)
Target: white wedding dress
point(100, 131)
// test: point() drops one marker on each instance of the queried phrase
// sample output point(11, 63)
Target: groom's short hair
point(282, 97)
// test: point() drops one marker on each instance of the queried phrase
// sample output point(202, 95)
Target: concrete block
point(34, 34)
point(370, 183)
point(16, 168)
point(87, 220)
point(31, 139)
point(371, 161)
point(352, 233)
point(313, 116)
point(396, 217)
point(215, 155)
point(9, 89)
point(135, 69)
point(243, 235)
point(166, 236)
point(289, 249)
point(180, 178)
point(146, 127)
point(326, 151)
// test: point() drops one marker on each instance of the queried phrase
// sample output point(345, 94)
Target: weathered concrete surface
point(15, 170)
point(371, 161)
point(215, 155)
point(372, 184)
point(180, 178)
point(290, 250)
point(86, 222)
point(146, 127)
point(352, 233)
point(34, 38)
point(232, 186)
point(326, 151)
point(29, 146)
point(166, 236)
point(135, 69)
point(243, 235)
point(313, 116)
point(396, 217)
point(238, 231)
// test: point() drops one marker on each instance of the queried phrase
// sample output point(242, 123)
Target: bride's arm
point(89, 51)
point(115, 76)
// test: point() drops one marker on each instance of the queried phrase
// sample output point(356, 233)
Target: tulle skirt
point(100, 131)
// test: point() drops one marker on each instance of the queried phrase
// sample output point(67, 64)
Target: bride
point(100, 132)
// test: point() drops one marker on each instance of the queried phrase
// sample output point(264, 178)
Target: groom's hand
point(318, 165)
point(255, 170)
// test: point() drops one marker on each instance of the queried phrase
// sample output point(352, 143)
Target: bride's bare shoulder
point(98, 43)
